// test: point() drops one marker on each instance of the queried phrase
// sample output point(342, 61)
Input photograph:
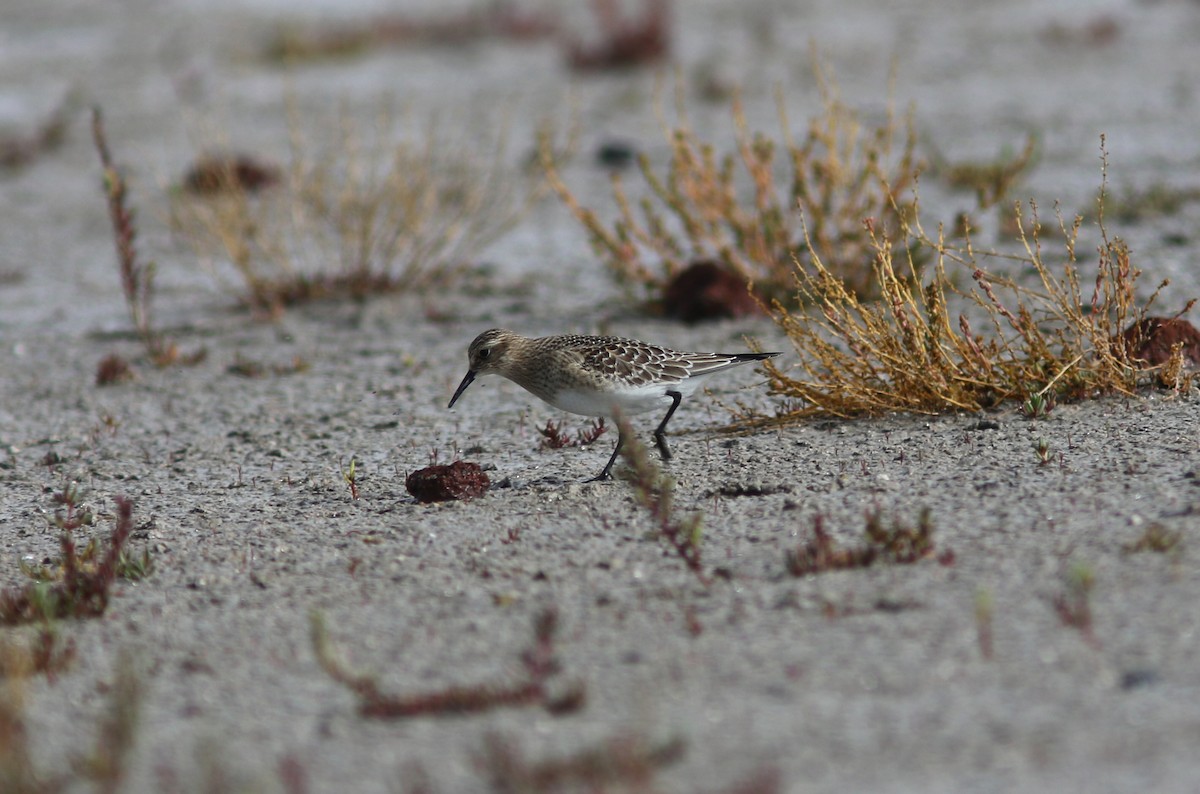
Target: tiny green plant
point(1156, 538)
point(350, 477)
point(984, 607)
point(1074, 604)
point(134, 568)
point(1044, 451)
point(1038, 405)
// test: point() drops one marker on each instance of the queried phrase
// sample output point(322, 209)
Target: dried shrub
point(492, 21)
point(1159, 200)
point(458, 480)
point(1158, 539)
point(249, 368)
point(553, 436)
point(739, 209)
point(898, 545)
point(913, 350)
point(624, 43)
point(628, 762)
point(18, 151)
point(1097, 31)
point(990, 181)
point(78, 586)
point(358, 214)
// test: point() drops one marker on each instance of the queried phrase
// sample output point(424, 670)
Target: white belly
point(590, 403)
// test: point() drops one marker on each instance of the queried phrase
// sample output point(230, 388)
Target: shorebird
point(598, 375)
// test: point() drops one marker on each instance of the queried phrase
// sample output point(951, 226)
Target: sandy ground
point(868, 680)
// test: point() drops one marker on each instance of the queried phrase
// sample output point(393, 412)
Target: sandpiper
point(597, 375)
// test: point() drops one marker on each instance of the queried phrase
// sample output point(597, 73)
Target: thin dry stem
point(535, 689)
point(137, 278)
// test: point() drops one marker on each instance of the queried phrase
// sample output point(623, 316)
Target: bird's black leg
point(660, 440)
point(606, 472)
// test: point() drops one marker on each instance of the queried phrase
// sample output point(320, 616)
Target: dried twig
point(655, 490)
point(137, 279)
point(539, 662)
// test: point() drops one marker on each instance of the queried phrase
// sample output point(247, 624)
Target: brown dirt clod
point(1152, 339)
point(224, 173)
point(705, 290)
point(113, 369)
point(458, 480)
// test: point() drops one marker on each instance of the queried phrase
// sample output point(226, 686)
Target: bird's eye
point(487, 351)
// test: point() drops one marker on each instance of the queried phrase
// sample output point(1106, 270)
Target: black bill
point(462, 387)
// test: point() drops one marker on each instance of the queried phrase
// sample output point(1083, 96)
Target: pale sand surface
point(867, 680)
